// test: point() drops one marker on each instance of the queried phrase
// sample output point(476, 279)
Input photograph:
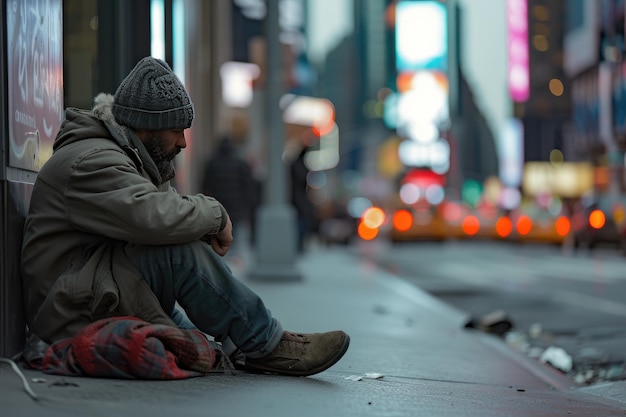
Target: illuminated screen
point(421, 36)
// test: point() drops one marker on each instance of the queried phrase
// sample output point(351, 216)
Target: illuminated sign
point(568, 179)
point(518, 72)
point(421, 36)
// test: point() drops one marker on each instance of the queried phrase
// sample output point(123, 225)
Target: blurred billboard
point(420, 108)
point(35, 79)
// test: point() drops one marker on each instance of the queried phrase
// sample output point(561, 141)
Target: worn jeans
point(214, 300)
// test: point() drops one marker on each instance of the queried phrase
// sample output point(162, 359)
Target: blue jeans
point(215, 301)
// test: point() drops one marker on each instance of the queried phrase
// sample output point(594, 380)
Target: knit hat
point(151, 97)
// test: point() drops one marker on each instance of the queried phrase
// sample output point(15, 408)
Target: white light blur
point(327, 157)
point(440, 156)
point(157, 29)
point(435, 155)
point(307, 111)
point(434, 194)
point(416, 106)
point(423, 131)
point(357, 205)
point(510, 198)
point(237, 80)
point(410, 193)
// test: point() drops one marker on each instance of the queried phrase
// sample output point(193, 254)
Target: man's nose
point(181, 142)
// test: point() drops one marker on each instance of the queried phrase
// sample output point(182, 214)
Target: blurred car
point(539, 225)
point(483, 223)
point(418, 223)
point(447, 220)
point(599, 222)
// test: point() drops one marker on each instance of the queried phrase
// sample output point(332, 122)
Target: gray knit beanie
point(151, 97)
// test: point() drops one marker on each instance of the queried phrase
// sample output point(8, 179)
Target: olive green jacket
point(98, 191)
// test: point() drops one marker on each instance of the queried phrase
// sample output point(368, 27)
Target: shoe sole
point(325, 366)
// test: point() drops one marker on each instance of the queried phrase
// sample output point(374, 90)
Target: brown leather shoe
point(302, 354)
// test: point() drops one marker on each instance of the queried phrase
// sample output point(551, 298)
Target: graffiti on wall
point(35, 79)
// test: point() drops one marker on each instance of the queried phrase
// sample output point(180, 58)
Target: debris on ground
point(558, 358)
point(497, 322)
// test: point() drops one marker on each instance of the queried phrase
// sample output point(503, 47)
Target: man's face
point(163, 146)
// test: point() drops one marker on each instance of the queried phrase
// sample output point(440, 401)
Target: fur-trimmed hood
point(82, 124)
point(102, 108)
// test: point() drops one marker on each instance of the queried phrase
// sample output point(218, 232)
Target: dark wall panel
point(15, 201)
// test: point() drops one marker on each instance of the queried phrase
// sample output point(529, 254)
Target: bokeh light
point(556, 87)
point(366, 233)
point(524, 225)
point(556, 157)
point(410, 193)
point(562, 226)
point(402, 220)
point(435, 194)
point(373, 217)
point(471, 192)
point(597, 219)
point(504, 226)
point(471, 225)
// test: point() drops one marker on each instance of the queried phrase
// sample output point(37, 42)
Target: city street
point(553, 297)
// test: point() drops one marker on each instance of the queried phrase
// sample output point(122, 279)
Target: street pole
point(275, 250)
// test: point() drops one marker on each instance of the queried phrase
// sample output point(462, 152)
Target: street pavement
point(409, 356)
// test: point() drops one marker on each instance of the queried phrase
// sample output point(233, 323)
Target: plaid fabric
point(126, 347)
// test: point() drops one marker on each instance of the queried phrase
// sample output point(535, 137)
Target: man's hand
point(221, 242)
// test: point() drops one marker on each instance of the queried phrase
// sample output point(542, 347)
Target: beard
point(155, 146)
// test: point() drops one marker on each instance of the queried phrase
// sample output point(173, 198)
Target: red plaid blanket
point(126, 347)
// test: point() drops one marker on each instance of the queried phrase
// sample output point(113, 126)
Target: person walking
point(228, 179)
point(305, 209)
point(107, 236)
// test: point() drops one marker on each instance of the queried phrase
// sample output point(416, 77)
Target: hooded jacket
point(99, 191)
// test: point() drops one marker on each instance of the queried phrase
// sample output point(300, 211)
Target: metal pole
point(276, 240)
point(276, 191)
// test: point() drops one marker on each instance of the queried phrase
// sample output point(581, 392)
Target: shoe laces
point(293, 342)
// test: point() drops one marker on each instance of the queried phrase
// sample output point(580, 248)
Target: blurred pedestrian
point(228, 179)
point(106, 235)
point(305, 209)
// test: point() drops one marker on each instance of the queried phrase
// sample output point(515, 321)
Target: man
point(107, 236)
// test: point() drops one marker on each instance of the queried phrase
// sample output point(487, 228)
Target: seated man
point(107, 236)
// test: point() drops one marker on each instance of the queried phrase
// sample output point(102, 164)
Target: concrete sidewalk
point(430, 365)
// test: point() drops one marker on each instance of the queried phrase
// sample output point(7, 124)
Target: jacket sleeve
point(106, 195)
